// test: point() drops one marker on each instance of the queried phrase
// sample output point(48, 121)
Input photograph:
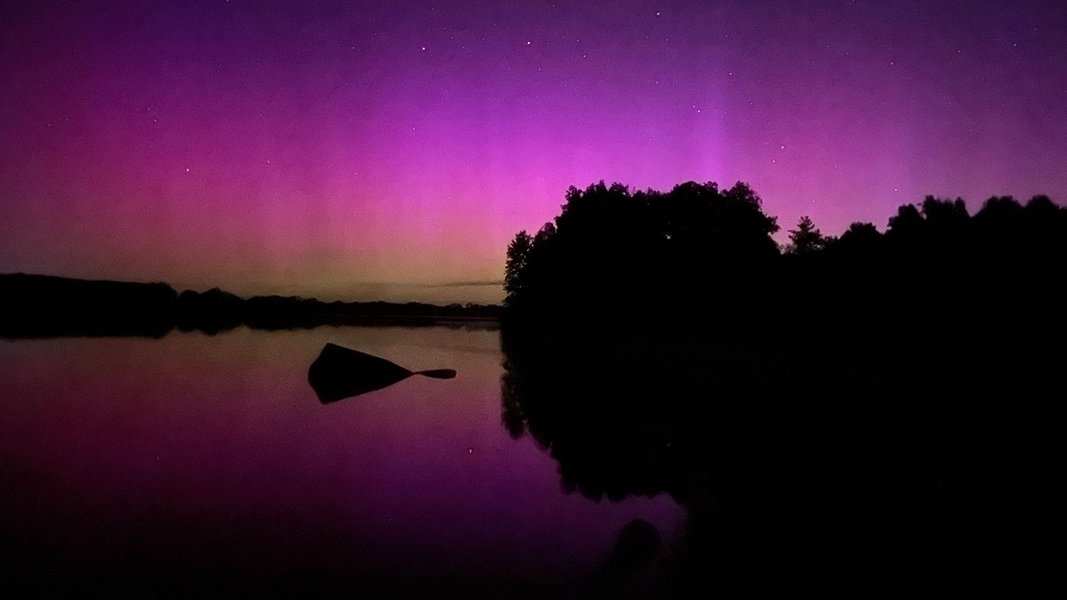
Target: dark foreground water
point(610, 465)
point(195, 465)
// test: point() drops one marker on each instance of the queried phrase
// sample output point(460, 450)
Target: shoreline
point(44, 306)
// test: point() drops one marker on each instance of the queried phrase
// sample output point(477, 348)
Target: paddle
point(341, 372)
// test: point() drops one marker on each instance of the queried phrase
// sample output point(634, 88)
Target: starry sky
point(390, 150)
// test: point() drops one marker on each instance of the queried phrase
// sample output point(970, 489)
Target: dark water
point(807, 468)
point(614, 465)
point(196, 465)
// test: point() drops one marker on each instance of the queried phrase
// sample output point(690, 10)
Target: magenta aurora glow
point(356, 150)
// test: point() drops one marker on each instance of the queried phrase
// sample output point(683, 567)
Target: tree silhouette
point(859, 238)
point(703, 258)
point(806, 238)
point(906, 225)
point(617, 253)
point(518, 254)
point(945, 216)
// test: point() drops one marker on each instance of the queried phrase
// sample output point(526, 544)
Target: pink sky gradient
point(390, 150)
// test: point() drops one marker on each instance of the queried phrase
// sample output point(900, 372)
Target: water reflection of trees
point(839, 470)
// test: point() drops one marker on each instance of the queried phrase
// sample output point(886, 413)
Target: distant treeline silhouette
point(46, 306)
point(702, 257)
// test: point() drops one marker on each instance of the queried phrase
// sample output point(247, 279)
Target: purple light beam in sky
point(382, 150)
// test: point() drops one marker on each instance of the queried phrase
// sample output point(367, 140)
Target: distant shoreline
point(33, 306)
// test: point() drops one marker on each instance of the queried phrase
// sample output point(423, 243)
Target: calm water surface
point(188, 456)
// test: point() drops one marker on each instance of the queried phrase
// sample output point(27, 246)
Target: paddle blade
point(438, 373)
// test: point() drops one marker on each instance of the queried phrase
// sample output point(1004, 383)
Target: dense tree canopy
point(705, 256)
point(613, 250)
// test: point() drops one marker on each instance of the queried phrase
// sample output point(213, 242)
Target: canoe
point(341, 372)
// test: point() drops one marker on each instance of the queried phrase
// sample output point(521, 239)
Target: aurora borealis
point(358, 150)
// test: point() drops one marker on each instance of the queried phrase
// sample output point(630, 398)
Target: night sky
point(357, 150)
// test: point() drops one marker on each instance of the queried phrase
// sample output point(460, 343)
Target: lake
point(553, 465)
point(200, 464)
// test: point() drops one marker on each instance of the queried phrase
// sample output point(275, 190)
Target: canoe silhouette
point(341, 372)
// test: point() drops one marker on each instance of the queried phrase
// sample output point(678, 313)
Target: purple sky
point(391, 150)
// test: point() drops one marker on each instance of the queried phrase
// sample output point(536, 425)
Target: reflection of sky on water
point(214, 451)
